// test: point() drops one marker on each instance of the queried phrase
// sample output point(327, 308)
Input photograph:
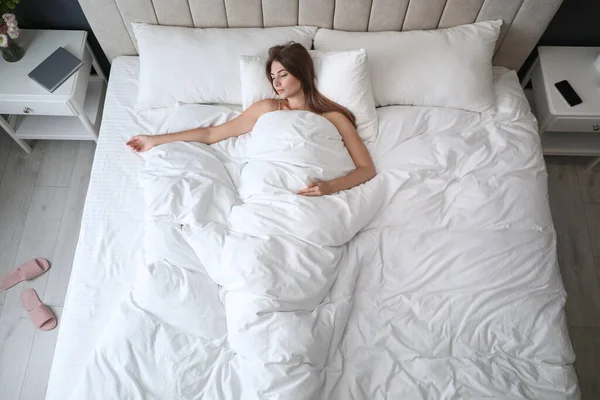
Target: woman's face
point(284, 83)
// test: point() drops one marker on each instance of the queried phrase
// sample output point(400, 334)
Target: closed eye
point(281, 76)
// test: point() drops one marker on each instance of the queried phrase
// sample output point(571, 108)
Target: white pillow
point(440, 68)
point(341, 76)
point(189, 65)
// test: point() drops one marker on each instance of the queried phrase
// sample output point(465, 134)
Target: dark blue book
point(55, 69)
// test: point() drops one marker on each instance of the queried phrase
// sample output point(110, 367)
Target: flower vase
point(13, 52)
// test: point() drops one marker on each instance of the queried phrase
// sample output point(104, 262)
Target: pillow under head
point(341, 76)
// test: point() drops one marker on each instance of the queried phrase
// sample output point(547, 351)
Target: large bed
point(455, 290)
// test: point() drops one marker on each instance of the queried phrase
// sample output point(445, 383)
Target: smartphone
point(568, 93)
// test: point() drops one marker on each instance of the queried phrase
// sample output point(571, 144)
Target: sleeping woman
point(291, 71)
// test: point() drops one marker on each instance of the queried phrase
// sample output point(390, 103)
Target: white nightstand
point(72, 112)
point(568, 130)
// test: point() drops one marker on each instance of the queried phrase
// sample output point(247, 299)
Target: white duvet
point(435, 280)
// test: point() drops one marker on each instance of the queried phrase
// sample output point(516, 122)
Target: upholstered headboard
point(524, 20)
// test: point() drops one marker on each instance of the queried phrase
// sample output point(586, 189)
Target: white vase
point(598, 64)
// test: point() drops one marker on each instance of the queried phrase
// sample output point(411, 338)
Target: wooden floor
point(41, 201)
point(575, 204)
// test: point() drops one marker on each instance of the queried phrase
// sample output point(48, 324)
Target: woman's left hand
point(317, 188)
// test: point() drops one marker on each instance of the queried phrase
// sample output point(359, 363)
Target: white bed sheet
point(416, 292)
point(112, 229)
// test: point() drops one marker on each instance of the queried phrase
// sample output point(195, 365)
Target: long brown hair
point(297, 61)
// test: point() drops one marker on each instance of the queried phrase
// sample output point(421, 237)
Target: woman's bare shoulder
point(336, 116)
point(266, 105)
point(256, 110)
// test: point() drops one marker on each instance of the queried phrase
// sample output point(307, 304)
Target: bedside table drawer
point(573, 124)
point(35, 108)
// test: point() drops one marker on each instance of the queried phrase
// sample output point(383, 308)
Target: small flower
point(8, 17)
point(3, 40)
point(13, 32)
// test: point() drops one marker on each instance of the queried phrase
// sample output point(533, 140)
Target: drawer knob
point(596, 128)
point(26, 110)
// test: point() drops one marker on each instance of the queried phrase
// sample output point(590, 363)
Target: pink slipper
point(39, 313)
point(26, 272)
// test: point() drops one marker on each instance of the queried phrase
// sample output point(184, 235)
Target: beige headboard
point(524, 20)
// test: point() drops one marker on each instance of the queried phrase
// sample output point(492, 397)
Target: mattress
point(458, 292)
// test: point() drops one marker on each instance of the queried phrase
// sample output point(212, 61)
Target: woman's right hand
point(140, 143)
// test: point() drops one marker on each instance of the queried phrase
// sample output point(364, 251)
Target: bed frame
point(524, 20)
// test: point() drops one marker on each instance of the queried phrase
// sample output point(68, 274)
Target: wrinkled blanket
point(246, 277)
point(438, 279)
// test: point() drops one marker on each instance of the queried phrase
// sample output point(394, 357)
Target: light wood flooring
point(41, 201)
point(575, 203)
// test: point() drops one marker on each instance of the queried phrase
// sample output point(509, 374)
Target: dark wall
point(577, 23)
point(58, 14)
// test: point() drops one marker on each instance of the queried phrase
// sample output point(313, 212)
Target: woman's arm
point(365, 170)
point(236, 127)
